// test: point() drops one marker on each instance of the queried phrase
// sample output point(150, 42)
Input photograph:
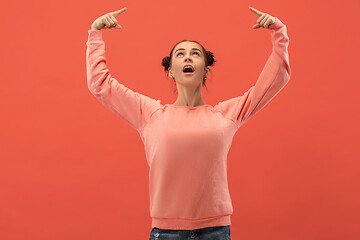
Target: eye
point(194, 52)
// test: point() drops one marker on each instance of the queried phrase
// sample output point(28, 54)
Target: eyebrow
point(184, 49)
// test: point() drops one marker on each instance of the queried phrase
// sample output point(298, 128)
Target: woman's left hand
point(265, 20)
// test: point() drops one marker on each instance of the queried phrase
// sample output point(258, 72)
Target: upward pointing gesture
point(265, 20)
point(107, 21)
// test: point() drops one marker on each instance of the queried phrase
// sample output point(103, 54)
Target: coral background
point(71, 169)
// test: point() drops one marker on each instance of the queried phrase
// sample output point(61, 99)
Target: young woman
point(187, 142)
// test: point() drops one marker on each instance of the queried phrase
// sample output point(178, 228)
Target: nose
point(188, 59)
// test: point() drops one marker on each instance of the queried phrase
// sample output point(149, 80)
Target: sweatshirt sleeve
point(274, 76)
point(131, 106)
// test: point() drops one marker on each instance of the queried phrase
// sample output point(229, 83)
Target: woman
point(187, 142)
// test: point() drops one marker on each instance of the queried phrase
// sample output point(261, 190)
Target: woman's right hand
point(107, 21)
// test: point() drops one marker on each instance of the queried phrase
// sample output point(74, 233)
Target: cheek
point(177, 66)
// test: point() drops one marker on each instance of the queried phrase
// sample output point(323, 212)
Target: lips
point(187, 68)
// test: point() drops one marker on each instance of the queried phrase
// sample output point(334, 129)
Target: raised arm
point(131, 106)
point(274, 76)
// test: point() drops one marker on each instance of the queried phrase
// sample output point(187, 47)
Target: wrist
point(95, 29)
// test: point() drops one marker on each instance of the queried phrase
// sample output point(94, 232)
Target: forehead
point(188, 46)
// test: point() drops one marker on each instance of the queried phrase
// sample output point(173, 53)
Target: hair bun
point(211, 58)
point(166, 62)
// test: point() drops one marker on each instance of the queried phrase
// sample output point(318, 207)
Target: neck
point(189, 97)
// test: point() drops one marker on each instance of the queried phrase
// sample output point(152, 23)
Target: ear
point(207, 71)
point(170, 72)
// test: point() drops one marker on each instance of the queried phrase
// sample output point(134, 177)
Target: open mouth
point(188, 69)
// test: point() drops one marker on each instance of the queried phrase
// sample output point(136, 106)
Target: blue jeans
point(209, 233)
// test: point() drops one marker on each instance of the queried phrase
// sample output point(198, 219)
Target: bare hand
point(265, 20)
point(107, 21)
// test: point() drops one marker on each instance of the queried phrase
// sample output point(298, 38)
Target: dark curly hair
point(209, 59)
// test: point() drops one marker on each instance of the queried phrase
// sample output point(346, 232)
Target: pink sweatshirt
point(186, 147)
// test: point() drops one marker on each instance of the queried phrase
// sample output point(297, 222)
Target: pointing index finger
point(118, 12)
point(256, 11)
